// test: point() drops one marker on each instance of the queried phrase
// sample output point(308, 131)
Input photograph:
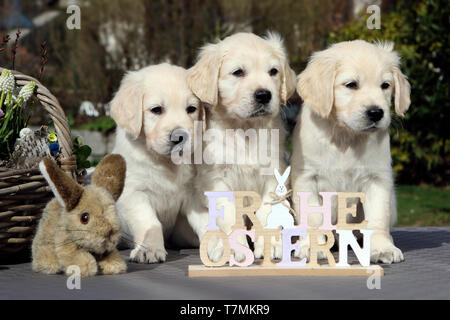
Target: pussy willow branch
point(14, 48)
point(5, 40)
point(43, 59)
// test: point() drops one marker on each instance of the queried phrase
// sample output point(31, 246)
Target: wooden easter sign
point(286, 267)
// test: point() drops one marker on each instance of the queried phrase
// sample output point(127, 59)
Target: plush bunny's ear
point(110, 174)
point(203, 77)
point(65, 189)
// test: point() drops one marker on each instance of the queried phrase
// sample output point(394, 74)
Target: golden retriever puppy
point(243, 80)
point(155, 112)
point(341, 142)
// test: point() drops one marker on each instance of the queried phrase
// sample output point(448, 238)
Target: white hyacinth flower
point(3, 77)
point(7, 82)
point(27, 91)
point(25, 132)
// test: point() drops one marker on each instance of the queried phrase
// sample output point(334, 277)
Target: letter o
point(204, 249)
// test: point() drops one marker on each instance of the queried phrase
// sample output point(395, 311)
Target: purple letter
point(213, 212)
point(286, 235)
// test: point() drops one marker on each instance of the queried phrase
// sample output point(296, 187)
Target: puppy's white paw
point(259, 249)
point(263, 212)
point(276, 251)
point(384, 251)
point(321, 255)
point(238, 256)
point(148, 254)
point(303, 252)
point(215, 252)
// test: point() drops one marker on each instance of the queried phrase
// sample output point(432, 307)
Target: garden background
point(84, 67)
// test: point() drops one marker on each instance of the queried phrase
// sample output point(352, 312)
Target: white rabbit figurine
point(280, 215)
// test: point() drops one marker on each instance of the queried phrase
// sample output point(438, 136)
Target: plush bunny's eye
point(84, 218)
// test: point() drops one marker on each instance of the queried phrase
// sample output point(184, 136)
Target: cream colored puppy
point(341, 142)
point(244, 79)
point(155, 112)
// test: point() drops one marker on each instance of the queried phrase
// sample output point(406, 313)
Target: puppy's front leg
point(141, 221)
point(380, 211)
point(198, 217)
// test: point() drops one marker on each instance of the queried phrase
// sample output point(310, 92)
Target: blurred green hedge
point(420, 31)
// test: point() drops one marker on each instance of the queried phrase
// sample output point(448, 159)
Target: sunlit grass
point(423, 206)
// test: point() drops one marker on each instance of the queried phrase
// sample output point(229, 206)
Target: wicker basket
point(24, 193)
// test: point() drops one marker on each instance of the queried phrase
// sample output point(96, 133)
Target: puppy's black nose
point(263, 96)
point(178, 136)
point(375, 114)
point(177, 141)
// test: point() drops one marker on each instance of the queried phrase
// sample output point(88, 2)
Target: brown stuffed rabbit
point(80, 226)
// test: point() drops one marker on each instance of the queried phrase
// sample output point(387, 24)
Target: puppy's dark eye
point(157, 110)
point(352, 85)
point(84, 218)
point(191, 109)
point(238, 73)
point(273, 72)
point(385, 85)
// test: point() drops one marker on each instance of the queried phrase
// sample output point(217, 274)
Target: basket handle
point(52, 106)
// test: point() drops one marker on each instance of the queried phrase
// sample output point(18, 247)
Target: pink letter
point(249, 257)
point(325, 209)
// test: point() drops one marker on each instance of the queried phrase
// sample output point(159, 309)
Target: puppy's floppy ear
point(202, 117)
point(288, 75)
point(402, 91)
point(110, 174)
point(289, 83)
point(316, 83)
point(203, 77)
point(402, 88)
point(126, 107)
point(65, 189)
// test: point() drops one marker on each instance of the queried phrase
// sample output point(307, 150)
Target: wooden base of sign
point(256, 271)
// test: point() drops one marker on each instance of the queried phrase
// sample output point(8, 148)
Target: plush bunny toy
point(280, 215)
point(80, 227)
